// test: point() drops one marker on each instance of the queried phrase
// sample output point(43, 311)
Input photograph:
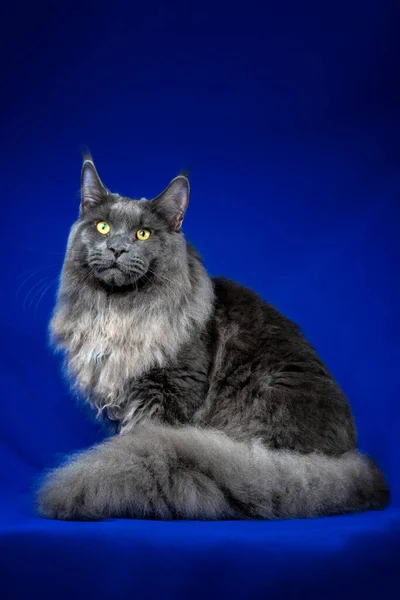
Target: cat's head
point(120, 242)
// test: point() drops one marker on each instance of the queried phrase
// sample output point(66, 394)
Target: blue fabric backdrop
point(288, 114)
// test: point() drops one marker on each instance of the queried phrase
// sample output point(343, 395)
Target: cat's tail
point(190, 473)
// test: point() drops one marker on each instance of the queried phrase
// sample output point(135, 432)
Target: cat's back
point(258, 333)
point(238, 304)
point(268, 373)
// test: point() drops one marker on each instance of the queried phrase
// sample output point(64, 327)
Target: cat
point(221, 409)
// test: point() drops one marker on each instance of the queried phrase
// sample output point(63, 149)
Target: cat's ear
point(93, 192)
point(173, 201)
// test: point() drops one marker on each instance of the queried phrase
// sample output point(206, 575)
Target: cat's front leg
point(170, 396)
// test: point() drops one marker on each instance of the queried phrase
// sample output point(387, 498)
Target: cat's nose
point(118, 247)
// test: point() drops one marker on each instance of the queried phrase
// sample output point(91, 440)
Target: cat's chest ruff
point(107, 350)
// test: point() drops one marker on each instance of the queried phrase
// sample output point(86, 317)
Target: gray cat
point(222, 409)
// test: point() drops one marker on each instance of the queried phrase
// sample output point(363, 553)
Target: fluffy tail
point(189, 473)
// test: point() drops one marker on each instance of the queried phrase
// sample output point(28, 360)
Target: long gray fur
point(222, 408)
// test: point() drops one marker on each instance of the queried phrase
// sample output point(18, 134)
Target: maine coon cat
point(222, 409)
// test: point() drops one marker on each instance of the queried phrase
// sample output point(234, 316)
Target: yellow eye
point(143, 234)
point(103, 227)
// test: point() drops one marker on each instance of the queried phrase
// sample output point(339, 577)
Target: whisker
point(44, 292)
point(42, 251)
point(166, 281)
point(172, 292)
point(32, 274)
point(90, 272)
point(37, 284)
point(39, 290)
point(34, 270)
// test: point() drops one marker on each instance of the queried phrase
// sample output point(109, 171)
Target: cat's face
point(118, 241)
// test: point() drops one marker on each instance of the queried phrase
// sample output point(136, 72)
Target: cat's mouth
point(118, 271)
point(117, 275)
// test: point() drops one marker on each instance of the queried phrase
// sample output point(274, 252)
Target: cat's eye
point(143, 234)
point(103, 227)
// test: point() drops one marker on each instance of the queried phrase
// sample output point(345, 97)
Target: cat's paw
point(68, 494)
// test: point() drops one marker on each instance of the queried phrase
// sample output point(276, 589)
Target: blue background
point(288, 114)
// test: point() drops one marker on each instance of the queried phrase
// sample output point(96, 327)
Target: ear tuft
point(93, 192)
point(172, 203)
